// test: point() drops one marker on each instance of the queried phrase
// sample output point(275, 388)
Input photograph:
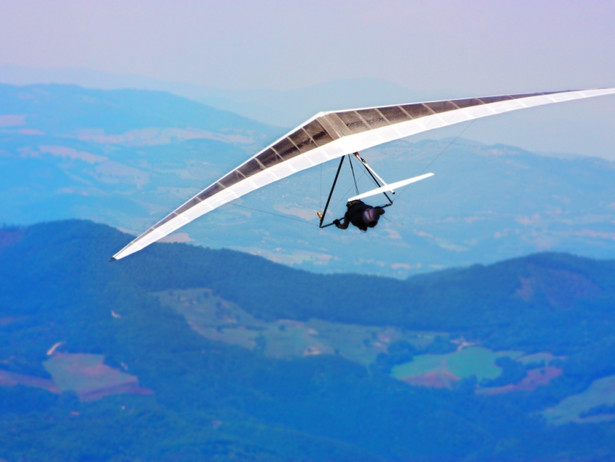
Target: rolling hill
point(188, 353)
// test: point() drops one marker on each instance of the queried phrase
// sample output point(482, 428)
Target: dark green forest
point(213, 401)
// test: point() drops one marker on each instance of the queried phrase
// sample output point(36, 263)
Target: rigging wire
point(396, 223)
point(278, 215)
point(356, 187)
point(354, 178)
point(343, 198)
point(442, 151)
point(433, 160)
point(448, 145)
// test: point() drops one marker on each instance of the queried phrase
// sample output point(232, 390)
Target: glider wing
point(330, 135)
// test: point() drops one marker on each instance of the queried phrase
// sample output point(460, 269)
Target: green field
point(468, 362)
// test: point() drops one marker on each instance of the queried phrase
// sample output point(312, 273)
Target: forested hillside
point(183, 353)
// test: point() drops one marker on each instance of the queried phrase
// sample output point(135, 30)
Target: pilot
point(360, 214)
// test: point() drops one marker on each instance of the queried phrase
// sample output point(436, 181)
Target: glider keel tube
point(390, 187)
point(330, 135)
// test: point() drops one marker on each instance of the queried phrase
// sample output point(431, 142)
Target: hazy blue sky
point(449, 48)
point(463, 46)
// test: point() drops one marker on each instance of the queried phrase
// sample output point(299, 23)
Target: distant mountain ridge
point(545, 130)
point(126, 158)
point(61, 109)
point(280, 108)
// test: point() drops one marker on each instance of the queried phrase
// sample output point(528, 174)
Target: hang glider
point(331, 135)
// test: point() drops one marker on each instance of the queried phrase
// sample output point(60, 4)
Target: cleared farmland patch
point(220, 320)
point(596, 404)
point(464, 363)
point(89, 377)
